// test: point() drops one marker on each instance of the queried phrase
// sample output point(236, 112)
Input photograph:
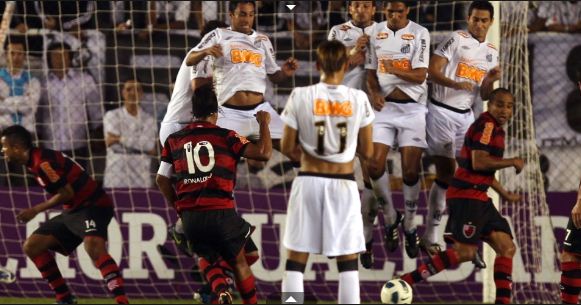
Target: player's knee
point(30, 249)
point(95, 247)
point(376, 169)
point(508, 250)
point(410, 176)
point(465, 252)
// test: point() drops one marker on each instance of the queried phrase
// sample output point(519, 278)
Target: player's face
point(60, 59)
point(132, 92)
point(12, 153)
point(397, 14)
point(479, 22)
point(15, 55)
point(501, 107)
point(242, 18)
point(362, 11)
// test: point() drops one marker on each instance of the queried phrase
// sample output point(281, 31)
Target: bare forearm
point(491, 164)
point(166, 189)
point(441, 79)
point(486, 89)
point(414, 76)
point(277, 77)
point(265, 142)
point(373, 83)
point(499, 188)
point(63, 195)
point(195, 57)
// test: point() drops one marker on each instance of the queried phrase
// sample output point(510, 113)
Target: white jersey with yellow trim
point(348, 34)
point(468, 61)
point(408, 48)
point(247, 60)
point(328, 119)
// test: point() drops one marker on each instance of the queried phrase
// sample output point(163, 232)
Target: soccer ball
point(396, 291)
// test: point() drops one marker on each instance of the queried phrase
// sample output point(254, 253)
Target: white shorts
point(245, 124)
point(324, 216)
point(406, 121)
point(446, 130)
point(168, 128)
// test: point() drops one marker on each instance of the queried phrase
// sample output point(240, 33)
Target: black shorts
point(572, 242)
point(216, 233)
point(71, 227)
point(471, 220)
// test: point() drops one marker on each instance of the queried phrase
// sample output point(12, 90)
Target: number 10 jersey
point(328, 119)
point(204, 158)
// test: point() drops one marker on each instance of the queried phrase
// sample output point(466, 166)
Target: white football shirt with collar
point(468, 61)
point(328, 119)
point(408, 48)
point(247, 60)
point(348, 34)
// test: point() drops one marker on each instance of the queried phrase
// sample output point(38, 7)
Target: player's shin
point(411, 194)
point(214, 275)
point(292, 280)
point(382, 192)
point(348, 282)
point(436, 206)
point(112, 276)
point(570, 282)
point(46, 264)
point(437, 263)
point(503, 279)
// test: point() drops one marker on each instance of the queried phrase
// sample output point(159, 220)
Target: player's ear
point(317, 66)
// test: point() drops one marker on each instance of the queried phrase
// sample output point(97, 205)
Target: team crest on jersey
point(489, 58)
point(405, 49)
point(468, 230)
point(408, 36)
point(382, 35)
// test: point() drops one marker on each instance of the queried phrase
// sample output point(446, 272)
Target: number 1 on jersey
point(320, 125)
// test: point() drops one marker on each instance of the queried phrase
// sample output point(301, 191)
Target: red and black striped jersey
point(204, 158)
point(54, 170)
point(484, 134)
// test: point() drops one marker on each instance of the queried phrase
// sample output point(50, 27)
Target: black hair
point(481, 5)
point(211, 26)
point(349, 2)
point(406, 3)
point(57, 45)
point(498, 91)
point(204, 102)
point(578, 72)
point(234, 4)
point(16, 40)
point(17, 134)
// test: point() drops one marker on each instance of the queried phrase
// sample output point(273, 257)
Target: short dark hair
point(349, 2)
point(481, 5)
point(57, 45)
point(204, 102)
point(331, 56)
point(211, 26)
point(17, 134)
point(498, 91)
point(578, 72)
point(16, 40)
point(407, 3)
point(234, 4)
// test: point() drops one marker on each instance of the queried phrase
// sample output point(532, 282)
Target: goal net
point(111, 42)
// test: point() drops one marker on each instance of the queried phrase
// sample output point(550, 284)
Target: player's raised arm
point(262, 149)
point(197, 56)
point(576, 211)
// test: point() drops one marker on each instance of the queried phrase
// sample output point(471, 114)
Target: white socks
point(411, 194)
point(382, 191)
point(349, 287)
point(292, 281)
point(436, 206)
point(369, 212)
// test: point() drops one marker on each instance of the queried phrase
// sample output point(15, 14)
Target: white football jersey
point(247, 60)
point(328, 119)
point(468, 61)
point(179, 108)
point(348, 34)
point(408, 48)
